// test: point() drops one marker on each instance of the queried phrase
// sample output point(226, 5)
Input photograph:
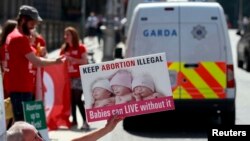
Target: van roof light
point(168, 8)
point(214, 18)
point(144, 18)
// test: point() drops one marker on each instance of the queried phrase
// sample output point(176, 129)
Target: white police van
point(195, 38)
point(131, 6)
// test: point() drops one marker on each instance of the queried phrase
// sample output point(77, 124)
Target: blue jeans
point(16, 100)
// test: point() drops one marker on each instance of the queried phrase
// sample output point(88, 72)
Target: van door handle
point(191, 65)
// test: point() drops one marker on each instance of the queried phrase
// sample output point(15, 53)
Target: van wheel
point(134, 123)
point(228, 117)
point(240, 63)
point(248, 64)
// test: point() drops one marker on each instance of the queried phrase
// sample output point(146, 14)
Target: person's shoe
point(73, 124)
point(85, 127)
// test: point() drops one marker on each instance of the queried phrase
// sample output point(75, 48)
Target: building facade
point(57, 14)
point(52, 12)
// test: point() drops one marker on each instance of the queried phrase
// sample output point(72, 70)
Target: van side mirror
point(118, 53)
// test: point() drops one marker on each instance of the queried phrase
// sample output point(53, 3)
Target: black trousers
point(76, 101)
point(16, 100)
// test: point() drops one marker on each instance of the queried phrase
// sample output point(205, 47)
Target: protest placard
point(35, 115)
point(126, 87)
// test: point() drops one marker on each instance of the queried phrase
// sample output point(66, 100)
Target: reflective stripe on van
point(203, 80)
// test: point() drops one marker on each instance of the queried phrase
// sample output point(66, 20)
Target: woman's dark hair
point(8, 27)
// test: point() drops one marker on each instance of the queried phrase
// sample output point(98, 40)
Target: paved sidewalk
point(69, 134)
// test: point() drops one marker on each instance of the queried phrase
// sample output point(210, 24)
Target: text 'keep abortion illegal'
point(123, 64)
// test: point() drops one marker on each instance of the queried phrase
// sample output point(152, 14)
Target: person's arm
point(43, 51)
point(39, 61)
point(97, 134)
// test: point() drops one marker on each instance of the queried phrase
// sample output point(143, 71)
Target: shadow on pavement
point(76, 129)
point(170, 132)
point(165, 125)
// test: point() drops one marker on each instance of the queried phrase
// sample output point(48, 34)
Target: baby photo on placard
point(127, 87)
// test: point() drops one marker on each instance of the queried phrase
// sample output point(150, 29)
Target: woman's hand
point(112, 122)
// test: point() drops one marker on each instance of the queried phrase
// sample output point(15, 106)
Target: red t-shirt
point(73, 68)
point(2, 52)
point(4, 68)
point(2, 55)
point(40, 40)
point(21, 75)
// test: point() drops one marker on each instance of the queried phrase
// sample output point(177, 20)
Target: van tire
point(228, 117)
point(248, 63)
point(240, 64)
point(134, 124)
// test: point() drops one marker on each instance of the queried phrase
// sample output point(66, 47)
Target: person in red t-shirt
point(22, 59)
point(39, 44)
point(76, 55)
point(8, 27)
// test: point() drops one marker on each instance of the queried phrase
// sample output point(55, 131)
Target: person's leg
point(73, 107)
point(16, 100)
point(80, 105)
point(77, 92)
point(9, 123)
